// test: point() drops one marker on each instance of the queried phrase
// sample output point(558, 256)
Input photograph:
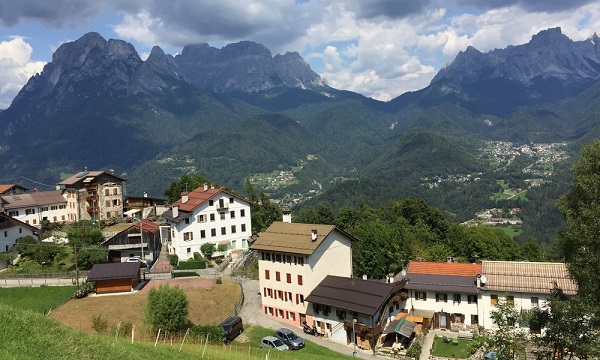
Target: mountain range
point(236, 111)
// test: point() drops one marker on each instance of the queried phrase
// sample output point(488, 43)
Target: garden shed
point(115, 277)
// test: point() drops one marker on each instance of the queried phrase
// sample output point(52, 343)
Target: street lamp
point(354, 336)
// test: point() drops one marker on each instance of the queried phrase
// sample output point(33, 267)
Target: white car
point(137, 259)
point(271, 342)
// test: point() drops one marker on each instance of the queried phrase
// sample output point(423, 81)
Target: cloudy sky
point(380, 48)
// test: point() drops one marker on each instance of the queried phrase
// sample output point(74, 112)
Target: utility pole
point(141, 231)
point(76, 267)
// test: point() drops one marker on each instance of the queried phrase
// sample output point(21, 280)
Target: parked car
point(232, 327)
point(145, 263)
point(290, 338)
point(271, 342)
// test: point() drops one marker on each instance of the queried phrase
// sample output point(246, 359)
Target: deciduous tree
point(167, 308)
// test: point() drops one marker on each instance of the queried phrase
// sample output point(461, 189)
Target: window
point(233, 229)
point(213, 232)
point(13, 213)
point(457, 298)
point(45, 208)
point(231, 200)
point(211, 202)
point(459, 318)
point(266, 256)
point(188, 236)
point(267, 274)
point(420, 295)
point(189, 251)
point(278, 257)
point(510, 300)
point(53, 207)
point(115, 191)
point(62, 218)
point(292, 316)
point(474, 319)
point(299, 279)
point(221, 203)
point(472, 299)
point(212, 217)
point(288, 278)
point(301, 260)
point(107, 202)
point(6, 235)
point(535, 301)
point(187, 220)
point(280, 294)
point(441, 297)
point(201, 218)
point(202, 234)
point(299, 299)
point(265, 292)
point(289, 259)
point(232, 214)
point(222, 215)
point(223, 230)
point(35, 221)
point(494, 299)
point(108, 214)
point(243, 212)
point(29, 211)
point(116, 202)
point(106, 192)
point(243, 227)
point(277, 276)
point(54, 218)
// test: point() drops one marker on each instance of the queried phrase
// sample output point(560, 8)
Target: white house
point(524, 284)
point(447, 291)
point(293, 259)
point(33, 208)
point(208, 215)
point(10, 230)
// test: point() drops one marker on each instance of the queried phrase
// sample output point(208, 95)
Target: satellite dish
point(483, 279)
point(403, 272)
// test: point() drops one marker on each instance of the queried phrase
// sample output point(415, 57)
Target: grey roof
point(362, 296)
point(39, 198)
point(126, 270)
point(442, 283)
point(401, 326)
point(82, 175)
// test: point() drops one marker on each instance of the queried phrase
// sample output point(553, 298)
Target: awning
point(402, 327)
point(131, 212)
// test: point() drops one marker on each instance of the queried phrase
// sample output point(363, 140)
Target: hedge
point(191, 264)
point(177, 274)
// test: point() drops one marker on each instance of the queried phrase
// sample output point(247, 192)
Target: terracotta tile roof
point(362, 296)
point(196, 198)
point(443, 268)
point(7, 187)
point(527, 277)
point(147, 225)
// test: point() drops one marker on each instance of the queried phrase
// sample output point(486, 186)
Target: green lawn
point(450, 350)
point(510, 231)
point(36, 299)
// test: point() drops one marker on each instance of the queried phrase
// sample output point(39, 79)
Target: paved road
point(251, 313)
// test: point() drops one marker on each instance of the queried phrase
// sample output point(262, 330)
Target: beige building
point(94, 195)
point(293, 259)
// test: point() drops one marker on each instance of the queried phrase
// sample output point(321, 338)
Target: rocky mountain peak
point(548, 36)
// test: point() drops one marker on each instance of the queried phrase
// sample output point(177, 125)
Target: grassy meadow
point(37, 299)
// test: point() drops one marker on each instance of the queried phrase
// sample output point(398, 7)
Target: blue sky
point(380, 48)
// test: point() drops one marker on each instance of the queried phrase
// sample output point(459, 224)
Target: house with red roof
point(11, 189)
point(444, 292)
point(208, 215)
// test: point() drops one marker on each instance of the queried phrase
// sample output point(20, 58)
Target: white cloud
point(16, 68)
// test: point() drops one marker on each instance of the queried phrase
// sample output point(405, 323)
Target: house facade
point(293, 259)
point(348, 310)
point(10, 230)
point(36, 207)
point(448, 291)
point(208, 215)
point(526, 285)
point(94, 195)
point(141, 239)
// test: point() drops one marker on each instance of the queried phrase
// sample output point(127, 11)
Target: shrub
point(99, 324)
point(173, 259)
point(219, 280)
point(166, 308)
point(198, 256)
point(219, 261)
point(83, 291)
point(215, 333)
point(177, 274)
point(208, 250)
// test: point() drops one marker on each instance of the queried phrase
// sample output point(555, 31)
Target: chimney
point(85, 168)
point(145, 194)
point(175, 211)
point(111, 171)
point(364, 277)
point(313, 234)
point(184, 197)
point(287, 215)
point(205, 186)
point(212, 186)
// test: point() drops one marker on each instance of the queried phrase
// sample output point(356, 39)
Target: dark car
point(232, 327)
point(290, 338)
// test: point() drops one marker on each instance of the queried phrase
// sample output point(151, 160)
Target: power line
point(28, 179)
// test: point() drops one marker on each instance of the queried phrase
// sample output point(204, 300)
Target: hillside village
point(305, 271)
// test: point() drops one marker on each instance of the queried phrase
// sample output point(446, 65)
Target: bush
point(208, 250)
point(177, 274)
point(215, 333)
point(83, 291)
point(166, 308)
point(191, 264)
point(219, 280)
point(198, 256)
point(173, 259)
point(99, 324)
point(219, 261)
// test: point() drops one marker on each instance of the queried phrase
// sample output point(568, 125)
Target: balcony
point(223, 206)
point(91, 209)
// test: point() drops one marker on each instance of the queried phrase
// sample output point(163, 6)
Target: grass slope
point(36, 299)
